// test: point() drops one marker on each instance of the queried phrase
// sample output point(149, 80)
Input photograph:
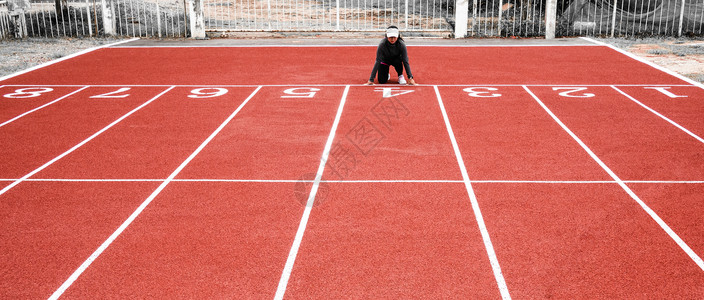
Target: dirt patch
point(683, 56)
point(18, 55)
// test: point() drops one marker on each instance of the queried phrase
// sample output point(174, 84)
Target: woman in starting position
point(391, 52)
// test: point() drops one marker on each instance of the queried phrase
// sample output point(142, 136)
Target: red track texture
point(346, 65)
point(392, 217)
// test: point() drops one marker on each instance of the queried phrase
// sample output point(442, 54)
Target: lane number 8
point(28, 92)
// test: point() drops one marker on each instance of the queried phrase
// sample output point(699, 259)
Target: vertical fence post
point(195, 16)
point(90, 25)
point(337, 24)
point(550, 18)
point(158, 19)
point(108, 18)
point(461, 11)
point(475, 3)
point(613, 19)
point(679, 32)
point(501, 15)
point(406, 18)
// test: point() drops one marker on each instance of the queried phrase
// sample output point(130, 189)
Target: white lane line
point(354, 181)
point(30, 174)
point(65, 58)
point(640, 59)
point(498, 275)
point(43, 106)
point(286, 274)
point(144, 204)
point(646, 208)
point(659, 115)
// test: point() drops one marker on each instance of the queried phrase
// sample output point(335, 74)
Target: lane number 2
point(570, 92)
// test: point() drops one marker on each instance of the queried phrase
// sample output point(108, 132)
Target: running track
point(269, 172)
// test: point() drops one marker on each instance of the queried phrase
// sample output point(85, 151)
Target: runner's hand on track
point(411, 81)
point(369, 83)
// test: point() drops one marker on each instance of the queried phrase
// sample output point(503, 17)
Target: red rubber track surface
point(635, 143)
point(391, 138)
point(175, 123)
point(392, 218)
point(52, 227)
point(680, 205)
point(392, 240)
point(346, 65)
point(200, 240)
point(510, 137)
point(11, 109)
point(271, 138)
point(685, 109)
point(583, 241)
point(40, 136)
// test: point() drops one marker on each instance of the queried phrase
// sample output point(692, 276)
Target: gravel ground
point(17, 55)
point(684, 56)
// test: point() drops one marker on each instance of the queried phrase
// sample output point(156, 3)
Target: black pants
point(384, 70)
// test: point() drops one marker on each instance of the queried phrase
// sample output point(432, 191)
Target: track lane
point(531, 223)
point(504, 135)
point(151, 143)
point(633, 142)
point(680, 205)
point(51, 227)
point(391, 133)
point(681, 104)
point(272, 138)
point(392, 240)
point(583, 241)
point(41, 136)
point(18, 100)
point(199, 240)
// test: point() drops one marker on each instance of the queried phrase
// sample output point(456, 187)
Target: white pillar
point(108, 18)
point(195, 16)
point(679, 31)
point(461, 11)
point(550, 18)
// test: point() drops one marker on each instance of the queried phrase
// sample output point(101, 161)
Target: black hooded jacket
point(389, 53)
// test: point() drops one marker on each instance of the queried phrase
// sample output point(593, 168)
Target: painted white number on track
point(571, 90)
point(207, 92)
point(28, 92)
point(303, 93)
point(114, 94)
point(474, 92)
point(663, 89)
point(392, 91)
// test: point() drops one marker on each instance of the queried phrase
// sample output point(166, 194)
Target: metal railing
point(82, 18)
point(631, 17)
point(326, 15)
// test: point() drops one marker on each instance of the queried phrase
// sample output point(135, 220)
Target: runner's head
point(392, 34)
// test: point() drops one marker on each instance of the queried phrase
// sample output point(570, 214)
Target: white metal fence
point(81, 18)
point(485, 18)
point(327, 15)
point(631, 17)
